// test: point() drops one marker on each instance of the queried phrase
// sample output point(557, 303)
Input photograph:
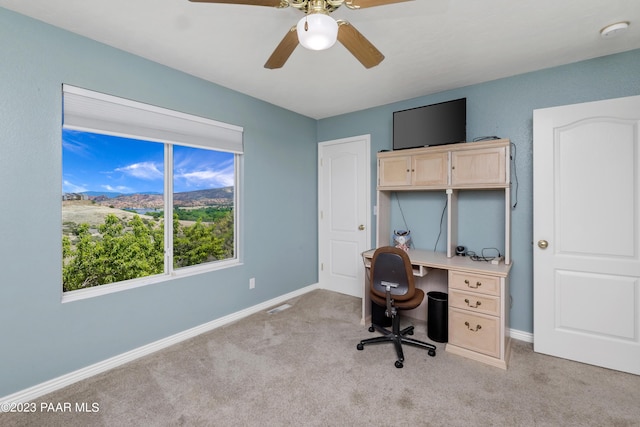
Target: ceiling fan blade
point(272, 3)
point(358, 45)
point(284, 50)
point(361, 4)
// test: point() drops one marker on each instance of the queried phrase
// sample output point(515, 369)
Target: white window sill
point(110, 288)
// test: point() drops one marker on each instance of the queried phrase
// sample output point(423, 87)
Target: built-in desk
point(478, 304)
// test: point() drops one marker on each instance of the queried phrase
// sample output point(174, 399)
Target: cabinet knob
point(543, 244)
point(361, 227)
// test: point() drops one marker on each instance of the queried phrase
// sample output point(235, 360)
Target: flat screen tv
point(436, 124)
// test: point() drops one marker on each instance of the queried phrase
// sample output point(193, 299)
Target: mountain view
point(114, 226)
point(220, 197)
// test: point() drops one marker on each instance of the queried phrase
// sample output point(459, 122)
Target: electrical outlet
point(252, 283)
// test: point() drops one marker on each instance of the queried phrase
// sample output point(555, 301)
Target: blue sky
point(94, 162)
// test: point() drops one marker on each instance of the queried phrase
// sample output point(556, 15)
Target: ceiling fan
point(317, 30)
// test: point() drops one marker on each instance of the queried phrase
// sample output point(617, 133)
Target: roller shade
point(96, 112)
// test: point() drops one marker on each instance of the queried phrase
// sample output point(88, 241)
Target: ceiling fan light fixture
point(317, 31)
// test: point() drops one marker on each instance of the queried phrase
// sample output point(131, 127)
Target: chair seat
point(410, 304)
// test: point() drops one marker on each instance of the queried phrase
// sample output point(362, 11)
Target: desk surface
point(440, 260)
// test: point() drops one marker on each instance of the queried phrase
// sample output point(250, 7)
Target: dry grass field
point(84, 211)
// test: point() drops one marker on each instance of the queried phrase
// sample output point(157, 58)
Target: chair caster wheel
point(399, 364)
point(360, 346)
point(410, 332)
point(432, 353)
point(372, 329)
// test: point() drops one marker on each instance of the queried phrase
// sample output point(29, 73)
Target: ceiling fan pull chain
point(306, 24)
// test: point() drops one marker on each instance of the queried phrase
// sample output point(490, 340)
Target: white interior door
point(344, 203)
point(586, 232)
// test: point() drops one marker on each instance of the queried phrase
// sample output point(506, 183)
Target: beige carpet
point(300, 367)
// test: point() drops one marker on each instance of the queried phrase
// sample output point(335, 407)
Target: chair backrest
point(391, 265)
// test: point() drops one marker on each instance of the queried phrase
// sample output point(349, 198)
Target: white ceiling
point(429, 45)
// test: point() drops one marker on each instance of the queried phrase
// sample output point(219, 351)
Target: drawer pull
point(478, 303)
point(478, 327)
point(478, 284)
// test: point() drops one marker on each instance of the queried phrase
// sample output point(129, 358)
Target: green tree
point(196, 244)
point(122, 251)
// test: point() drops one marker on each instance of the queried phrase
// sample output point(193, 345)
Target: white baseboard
point(46, 387)
point(521, 335)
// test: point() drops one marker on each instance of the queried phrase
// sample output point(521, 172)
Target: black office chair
point(391, 285)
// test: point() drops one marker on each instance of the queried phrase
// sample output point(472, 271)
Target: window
point(147, 192)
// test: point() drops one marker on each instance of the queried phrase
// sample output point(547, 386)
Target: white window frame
point(89, 111)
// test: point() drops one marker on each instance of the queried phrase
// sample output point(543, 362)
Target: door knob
point(542, 244)
point(361, 227)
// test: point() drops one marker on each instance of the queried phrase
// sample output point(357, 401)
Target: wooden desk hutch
point(478, 291)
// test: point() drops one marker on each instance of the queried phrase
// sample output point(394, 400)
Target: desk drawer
point(475, 302)
point(475, 332)
point(474, 282)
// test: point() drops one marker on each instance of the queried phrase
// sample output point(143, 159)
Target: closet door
point(344, 185)
point(587, 233)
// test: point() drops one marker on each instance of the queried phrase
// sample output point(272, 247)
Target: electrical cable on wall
point(515, 175)
point(406, 227)
point(441, 220)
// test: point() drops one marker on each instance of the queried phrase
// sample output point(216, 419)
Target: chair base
point(397, 337)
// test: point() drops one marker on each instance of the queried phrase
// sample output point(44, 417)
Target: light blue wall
point(504, 108)
point(43, 338)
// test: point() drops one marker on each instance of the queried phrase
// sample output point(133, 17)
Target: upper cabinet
point(465, 165)
point(394, 171)
point(484, 166)
point(427, 169)
point(430, 169)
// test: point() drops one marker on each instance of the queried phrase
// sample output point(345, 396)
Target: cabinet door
point(394, 171)
point(430, 169)
point(475, 167)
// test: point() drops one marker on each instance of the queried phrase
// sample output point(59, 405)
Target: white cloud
point(196, 169)
point(69, 187)
point(72, 142)
point(146, 170)
point(118, 189)
point(208, 178)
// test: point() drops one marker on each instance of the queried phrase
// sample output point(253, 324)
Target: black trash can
point(437, 316)
point(378, 317)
